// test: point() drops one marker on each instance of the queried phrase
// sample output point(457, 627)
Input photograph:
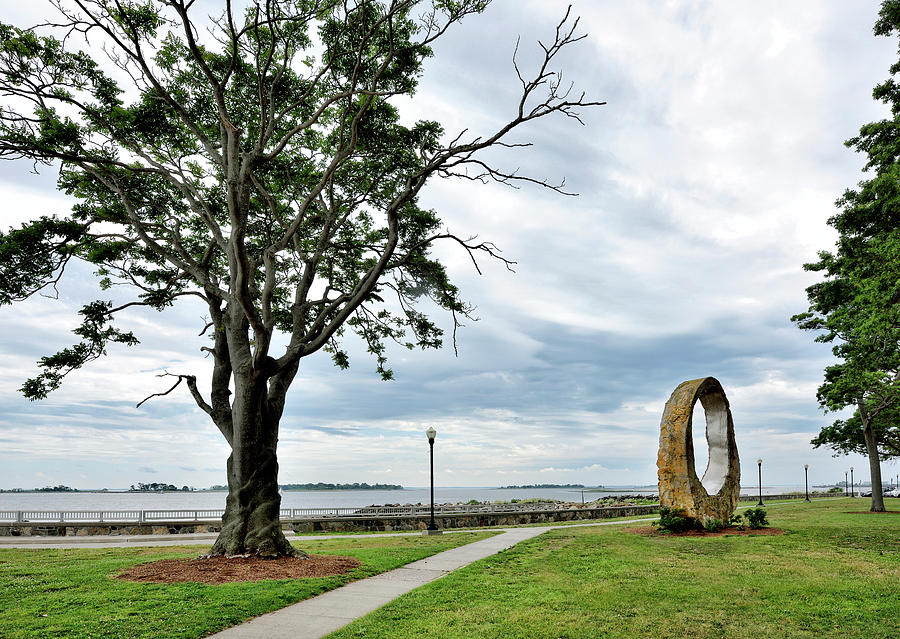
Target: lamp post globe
point(430, 434)
point(806, 479)
point(759, 463)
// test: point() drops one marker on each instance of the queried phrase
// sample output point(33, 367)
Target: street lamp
point(852, 492)
point(759, 463)
point(806, 477)
point(430, 433)
point(845, 484)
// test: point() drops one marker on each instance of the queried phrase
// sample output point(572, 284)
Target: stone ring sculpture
point(716, 495)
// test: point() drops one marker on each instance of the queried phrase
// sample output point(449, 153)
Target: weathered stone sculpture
point(716, 495)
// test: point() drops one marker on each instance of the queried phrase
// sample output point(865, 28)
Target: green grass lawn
point(72, 593)
point(832, 574)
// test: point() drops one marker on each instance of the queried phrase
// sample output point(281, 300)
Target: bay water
point(199, 500)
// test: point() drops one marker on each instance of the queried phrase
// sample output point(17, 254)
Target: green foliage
point(855, 307)
point(756, 518)
point(34, 254)
point(845, 436)
point(267, 172)
point(153, 487)
point(672, 520)
point(713, 525)
point(736, 520)
point(60, 488)
point(96, 331)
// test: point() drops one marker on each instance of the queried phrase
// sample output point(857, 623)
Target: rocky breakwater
point(475, 515)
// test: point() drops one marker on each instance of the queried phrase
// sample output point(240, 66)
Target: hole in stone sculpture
point(698, 438)
point(715, 418)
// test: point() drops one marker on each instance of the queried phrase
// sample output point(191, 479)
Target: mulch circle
point(220, 570)
point(650, 531)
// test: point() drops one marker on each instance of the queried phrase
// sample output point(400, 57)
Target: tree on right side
point(855, 307)
point(845, 436)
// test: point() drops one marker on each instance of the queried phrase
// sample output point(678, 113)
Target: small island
point(543, 486)
point(354, 486)
point(158, 488)
point(325, 486)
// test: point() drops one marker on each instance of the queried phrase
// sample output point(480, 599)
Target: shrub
point(737, 521)
point(675, 521)
point(713, 525)
point(756, 518)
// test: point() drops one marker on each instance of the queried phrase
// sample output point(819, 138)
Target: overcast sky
point(704, 185)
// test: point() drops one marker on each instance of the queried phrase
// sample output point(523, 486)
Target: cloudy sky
point(704, 185)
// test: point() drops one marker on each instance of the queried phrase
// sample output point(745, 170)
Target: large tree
point(857, 306)
point(255, 160)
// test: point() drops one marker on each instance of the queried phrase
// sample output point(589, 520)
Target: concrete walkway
point(316, 617)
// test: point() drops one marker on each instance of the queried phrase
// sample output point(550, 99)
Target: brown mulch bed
point(220, 570)
point(653, 532)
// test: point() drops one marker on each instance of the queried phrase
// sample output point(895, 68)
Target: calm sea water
point(315, 498)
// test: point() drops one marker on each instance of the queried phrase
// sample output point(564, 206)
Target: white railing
point(142, 516)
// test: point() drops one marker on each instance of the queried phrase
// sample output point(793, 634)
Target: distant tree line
point(325, 486)
point(45, 489)
point(545, 486)
point(353, 486)
point(158, 487)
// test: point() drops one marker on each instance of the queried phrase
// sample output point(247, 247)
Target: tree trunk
point(874, 461)
point(251, 524)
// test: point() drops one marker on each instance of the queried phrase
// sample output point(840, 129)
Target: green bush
point(756, 518)
point(737, 521)
point(675, 521)
point(713, 525)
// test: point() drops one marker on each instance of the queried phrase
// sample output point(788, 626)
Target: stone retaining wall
point(333, 524)
point(85, 529)
point(351, 524)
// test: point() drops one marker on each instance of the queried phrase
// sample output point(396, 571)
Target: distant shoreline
point(533, 486)
point(211, 489)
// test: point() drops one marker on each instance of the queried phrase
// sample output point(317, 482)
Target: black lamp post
point(430, 433)
point(806, 478)
point(759, 463)
point(852, 491)
point(845, 484)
